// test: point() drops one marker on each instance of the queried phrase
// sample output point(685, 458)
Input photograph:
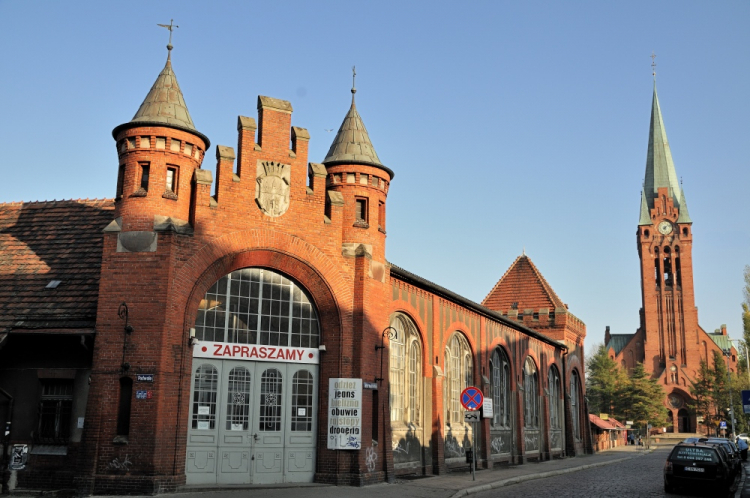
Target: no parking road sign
point(472, 398)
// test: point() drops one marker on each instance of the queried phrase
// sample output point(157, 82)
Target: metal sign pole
point(474, 453)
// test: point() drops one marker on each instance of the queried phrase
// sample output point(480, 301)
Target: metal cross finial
point(354, 77)
point(170, 27)
point(653, 65)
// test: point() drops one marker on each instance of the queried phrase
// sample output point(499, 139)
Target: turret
point(159, 151)
point(355, 171)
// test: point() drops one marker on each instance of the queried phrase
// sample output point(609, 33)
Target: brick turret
point(159, 151)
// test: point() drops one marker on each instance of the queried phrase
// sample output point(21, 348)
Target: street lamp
point(728, 353)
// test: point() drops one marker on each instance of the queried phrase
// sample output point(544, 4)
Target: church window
point(161, 143)
point(360, 210)
point(145, 169)
point(684, 231)
point(646, 233)
point(174, 146)
point(678, 271)
point(145, 142)
point(172, 179)
point(575, 401)
point(188, 149)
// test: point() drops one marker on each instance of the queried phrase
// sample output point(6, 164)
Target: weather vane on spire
point(653, 65)
point(354, 77)
point(170, 27)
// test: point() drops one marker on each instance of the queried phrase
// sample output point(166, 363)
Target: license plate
point(694, 469)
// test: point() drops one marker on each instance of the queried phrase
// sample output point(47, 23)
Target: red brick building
point(669, 342)
point(248, 329)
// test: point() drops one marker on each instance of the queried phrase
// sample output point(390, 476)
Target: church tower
point(669, 317)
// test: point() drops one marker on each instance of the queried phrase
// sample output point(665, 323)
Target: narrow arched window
point(500, 389)
point(405, 371)
point(531, 394)
point(575, 401)
point(458, 376)
point(555, 412)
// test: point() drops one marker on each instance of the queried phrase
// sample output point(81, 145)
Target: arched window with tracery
point(458, 376)
point(500, 382)
point(405, 371)
point(555, 408)
point(531, 405)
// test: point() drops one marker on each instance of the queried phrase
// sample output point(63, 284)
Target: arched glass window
point(555, 400)
point(257, 306)
point(458, 376)
point(270, 401)
point(238, 399)
point(530, 394)
point(204, 397)
point(405, 371)
point(575, 401)
point(500, 367)
point(302, 401)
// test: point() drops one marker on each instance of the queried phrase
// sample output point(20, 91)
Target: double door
point(251, 422)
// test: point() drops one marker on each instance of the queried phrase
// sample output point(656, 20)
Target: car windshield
point(694, 454)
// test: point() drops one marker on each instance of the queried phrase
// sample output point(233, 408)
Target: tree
point(604, 382)
point(643, 399)
point(701, 390)
point(746, 307)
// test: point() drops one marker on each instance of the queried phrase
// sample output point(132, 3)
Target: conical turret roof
point(660, 171)
point(164, 106)
point(352, 144)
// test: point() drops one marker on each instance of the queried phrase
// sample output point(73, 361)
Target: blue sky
point(509, 125)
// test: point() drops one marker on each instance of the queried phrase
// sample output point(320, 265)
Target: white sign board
point(344, 414)
point(487, 408)
point(471, 416)
point(252, 352)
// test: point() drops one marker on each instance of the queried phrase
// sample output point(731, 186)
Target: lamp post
point(728, 354)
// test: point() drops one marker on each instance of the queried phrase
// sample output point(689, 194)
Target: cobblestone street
point(635, 477)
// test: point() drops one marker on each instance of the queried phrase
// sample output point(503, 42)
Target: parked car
point(731, 449)
point(697, 465)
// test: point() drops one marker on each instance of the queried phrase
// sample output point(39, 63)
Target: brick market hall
point(245, 327)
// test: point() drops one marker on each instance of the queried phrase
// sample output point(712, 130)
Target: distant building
point(669, 342)
point(248, 328)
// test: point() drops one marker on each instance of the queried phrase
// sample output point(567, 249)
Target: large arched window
point(406, 371)
point(458, 376)
point(575, 404)
point(555, 408)
point(257, 306)
point(500, 367)
point(530, 395)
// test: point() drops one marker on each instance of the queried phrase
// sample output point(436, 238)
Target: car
point(697, 465)
point(730, 448)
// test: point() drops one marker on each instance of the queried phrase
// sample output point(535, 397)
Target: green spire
point(684, 217)
point(645, 216)
point(660, 170)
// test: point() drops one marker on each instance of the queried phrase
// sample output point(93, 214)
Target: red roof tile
point(525, 285)
point(45, 241)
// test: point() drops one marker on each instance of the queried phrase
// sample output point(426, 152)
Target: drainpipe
point(6, 440)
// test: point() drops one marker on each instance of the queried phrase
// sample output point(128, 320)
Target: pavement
point(451, 485)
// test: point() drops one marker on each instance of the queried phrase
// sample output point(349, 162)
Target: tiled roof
point(45, 241)
point(602, 424)
point(618, 341)
point(525, 285)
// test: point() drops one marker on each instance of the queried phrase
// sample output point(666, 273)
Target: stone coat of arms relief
point(272, 187)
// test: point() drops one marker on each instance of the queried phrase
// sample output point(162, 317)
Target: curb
point(542, 475)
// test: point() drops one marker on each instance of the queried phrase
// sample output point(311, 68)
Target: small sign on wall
point(141, 394)
point(144, 377)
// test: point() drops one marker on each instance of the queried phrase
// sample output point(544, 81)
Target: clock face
point(665, 228)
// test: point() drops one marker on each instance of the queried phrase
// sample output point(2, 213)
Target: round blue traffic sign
point(472, 398)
